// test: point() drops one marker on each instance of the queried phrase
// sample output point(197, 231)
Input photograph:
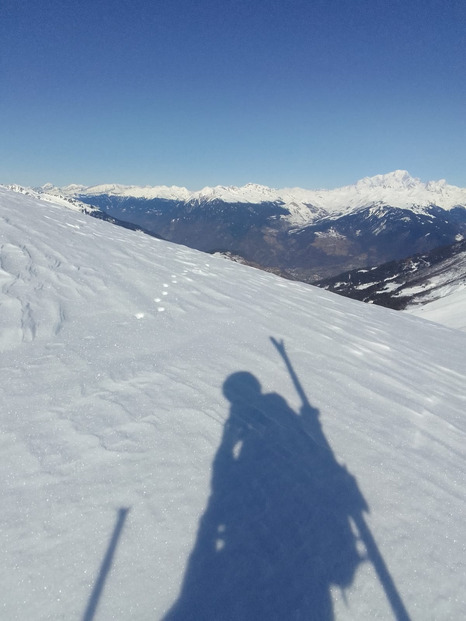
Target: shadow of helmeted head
point(242, 387)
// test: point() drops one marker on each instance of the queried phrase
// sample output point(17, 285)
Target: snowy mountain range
point(396, 189)
point(184, 437)
point(304, 234)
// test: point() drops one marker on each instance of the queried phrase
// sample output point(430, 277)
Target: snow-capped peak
point(396, 180)
point(249, 193)
point(47, 187)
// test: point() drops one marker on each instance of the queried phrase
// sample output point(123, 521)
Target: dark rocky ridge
point(391, 284)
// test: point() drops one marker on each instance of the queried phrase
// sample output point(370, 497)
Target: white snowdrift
point(131, 491)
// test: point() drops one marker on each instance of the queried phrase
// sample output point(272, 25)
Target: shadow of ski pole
point(105, 567)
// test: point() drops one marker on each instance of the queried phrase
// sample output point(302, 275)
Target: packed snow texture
point(160, 460)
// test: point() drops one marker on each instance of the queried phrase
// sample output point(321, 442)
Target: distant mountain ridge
point(303, 234)
point(396, 189)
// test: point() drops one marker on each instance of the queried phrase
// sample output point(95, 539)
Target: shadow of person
point(276, 534)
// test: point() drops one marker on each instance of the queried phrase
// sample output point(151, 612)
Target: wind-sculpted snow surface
point(161, 458)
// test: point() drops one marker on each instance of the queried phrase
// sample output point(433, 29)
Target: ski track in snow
point(115, 347)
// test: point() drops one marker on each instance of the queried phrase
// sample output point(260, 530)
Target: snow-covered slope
point(449, 310)
point(144, 474)
point(57, 198)
point(396, 189)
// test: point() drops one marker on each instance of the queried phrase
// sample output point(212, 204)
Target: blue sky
point(315, 93)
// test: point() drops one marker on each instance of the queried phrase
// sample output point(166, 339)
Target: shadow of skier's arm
point(309, 414)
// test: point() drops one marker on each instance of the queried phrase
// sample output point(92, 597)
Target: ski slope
point(159, 461)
